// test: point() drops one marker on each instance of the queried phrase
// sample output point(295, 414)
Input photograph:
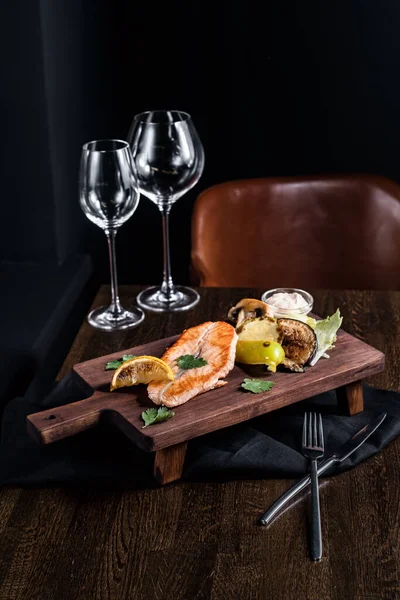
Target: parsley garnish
point(114, 364)
point(156, 415)
point(257, 385)
point(188, 361)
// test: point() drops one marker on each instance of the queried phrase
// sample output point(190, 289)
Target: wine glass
point(109, 197)
point(169, 161)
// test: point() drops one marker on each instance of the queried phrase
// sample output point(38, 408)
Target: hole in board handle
point(50, 418)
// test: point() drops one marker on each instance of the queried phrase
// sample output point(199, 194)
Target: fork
point(313, 448)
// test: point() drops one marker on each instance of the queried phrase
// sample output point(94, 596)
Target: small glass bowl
point(285, 312)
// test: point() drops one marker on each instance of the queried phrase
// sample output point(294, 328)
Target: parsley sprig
point(188, 361)
point(156, 415)
point(256, 386)
point(114, 364)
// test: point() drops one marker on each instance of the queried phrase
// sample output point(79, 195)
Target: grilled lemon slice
point(141, 369)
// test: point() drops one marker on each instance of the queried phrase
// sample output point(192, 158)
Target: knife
point(337, 457)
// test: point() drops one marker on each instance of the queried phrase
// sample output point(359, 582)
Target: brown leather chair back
point(317, 232)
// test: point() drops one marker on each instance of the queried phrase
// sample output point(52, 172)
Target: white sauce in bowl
point(288, 301)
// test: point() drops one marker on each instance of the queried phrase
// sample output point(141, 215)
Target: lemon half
point(141, 369)
point(266, 353)
point(259, 343)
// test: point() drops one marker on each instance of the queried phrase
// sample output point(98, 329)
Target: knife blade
point(339, 456)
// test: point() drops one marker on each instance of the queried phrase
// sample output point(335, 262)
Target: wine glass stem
point(115, 306)
point(167, 286)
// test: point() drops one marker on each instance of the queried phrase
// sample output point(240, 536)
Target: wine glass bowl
point(109, 196)
point(108, 192)
point(169, 158)
point(168, 162)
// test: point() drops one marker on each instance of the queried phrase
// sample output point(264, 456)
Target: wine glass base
point(103, 318)
point(183, 298)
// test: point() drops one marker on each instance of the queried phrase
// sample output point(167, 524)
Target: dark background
point(274, 88)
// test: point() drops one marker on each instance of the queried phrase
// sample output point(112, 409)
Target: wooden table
point(192, 541)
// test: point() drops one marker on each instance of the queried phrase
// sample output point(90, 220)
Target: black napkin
point(268, 446)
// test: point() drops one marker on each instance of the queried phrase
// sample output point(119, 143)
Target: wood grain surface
point(194, 541)
point(350, 361)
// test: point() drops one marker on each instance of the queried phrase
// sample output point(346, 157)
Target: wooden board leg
point(168, 463)
point(350, 398)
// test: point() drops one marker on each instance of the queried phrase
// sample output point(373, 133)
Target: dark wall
point(52, 101)
point(27, 211)
point(274, 89)
point(68, 76)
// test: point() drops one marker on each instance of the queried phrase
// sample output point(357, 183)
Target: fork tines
point(313, 434)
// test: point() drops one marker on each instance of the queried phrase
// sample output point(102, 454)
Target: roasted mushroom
point(299, 343)
point(248, 308)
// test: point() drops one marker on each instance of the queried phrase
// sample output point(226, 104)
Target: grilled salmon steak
point(215, 342)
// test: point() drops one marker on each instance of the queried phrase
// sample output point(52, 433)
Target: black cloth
point(267, 446)
point(41, 309)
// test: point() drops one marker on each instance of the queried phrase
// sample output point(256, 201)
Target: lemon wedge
point(141, 369)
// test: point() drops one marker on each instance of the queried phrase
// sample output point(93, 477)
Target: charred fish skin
point(215, 342)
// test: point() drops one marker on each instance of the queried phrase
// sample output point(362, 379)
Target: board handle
point(55, 424)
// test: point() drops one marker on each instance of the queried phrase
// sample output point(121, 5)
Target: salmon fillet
point(215, 342)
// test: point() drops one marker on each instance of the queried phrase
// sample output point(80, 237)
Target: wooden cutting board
point(350, 361)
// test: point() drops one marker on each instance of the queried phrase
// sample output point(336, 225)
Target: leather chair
point(327, 232)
